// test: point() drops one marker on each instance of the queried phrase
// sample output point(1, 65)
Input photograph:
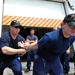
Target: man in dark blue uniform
point(51, 46)
point(31, 55)
point(10, 51)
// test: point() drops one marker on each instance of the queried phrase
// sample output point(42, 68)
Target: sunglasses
point(17, 27)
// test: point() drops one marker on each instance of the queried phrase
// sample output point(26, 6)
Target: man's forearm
point(11, 51)
point(32, 46)
point(31, 41)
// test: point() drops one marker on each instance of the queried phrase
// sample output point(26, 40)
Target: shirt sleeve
point(21, 38)
point(44, 41)
point(4, 41)
point(72, 40)
point(27, 38)
point(36, 38)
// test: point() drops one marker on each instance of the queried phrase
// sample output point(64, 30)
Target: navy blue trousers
point(31, 56)
point(42, 67)
point(15, 65)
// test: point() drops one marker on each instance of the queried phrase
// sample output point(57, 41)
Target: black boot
point(27, 70)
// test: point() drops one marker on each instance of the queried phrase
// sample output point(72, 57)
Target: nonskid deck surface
point(7, 71)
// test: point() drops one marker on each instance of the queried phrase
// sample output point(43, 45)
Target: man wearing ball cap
point(51, 46)
point(10, 51)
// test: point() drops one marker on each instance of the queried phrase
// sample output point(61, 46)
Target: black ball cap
point(70, 20)
point(16, 24)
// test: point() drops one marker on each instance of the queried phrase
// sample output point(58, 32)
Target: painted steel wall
point(34, 8)
point(35, 13)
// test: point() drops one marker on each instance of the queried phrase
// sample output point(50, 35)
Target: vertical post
point(68, 6)
point(1, 15)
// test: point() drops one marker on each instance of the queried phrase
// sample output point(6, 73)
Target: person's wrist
point(25, 50)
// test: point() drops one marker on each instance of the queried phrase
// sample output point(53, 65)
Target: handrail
point(70, 5)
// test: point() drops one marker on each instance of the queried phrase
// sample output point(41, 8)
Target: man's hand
point(68, 51)
point(27, 46)
point(23, 44)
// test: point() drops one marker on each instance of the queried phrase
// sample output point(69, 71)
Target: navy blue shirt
point(32, 38)
point(53, 45)
point(7, 40)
